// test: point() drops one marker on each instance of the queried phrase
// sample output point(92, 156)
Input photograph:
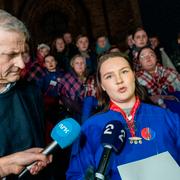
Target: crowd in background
point(139, 88)
point(65, 72)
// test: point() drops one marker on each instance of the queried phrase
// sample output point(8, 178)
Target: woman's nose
point(119, 79)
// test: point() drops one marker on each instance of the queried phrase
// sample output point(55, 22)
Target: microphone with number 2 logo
point(112, 139)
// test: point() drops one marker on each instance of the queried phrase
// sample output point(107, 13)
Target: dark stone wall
point(46, 19)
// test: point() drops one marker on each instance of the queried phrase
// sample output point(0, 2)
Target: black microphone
point(112, 139)
point(63, 134)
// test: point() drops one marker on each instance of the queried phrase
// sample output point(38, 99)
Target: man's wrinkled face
point(11, 56)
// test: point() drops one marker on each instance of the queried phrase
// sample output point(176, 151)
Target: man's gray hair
point(11, 23)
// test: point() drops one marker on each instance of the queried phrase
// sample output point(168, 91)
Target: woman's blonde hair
point(75, 57)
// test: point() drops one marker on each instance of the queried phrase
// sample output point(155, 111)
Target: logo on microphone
point(114, 135)
point(64, 128)
point(109, 130)
point(122, 135)
point(112, 139)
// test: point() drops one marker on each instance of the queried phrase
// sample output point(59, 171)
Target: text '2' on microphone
point(112, 139)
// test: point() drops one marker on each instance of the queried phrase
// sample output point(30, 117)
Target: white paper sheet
point(158, 167)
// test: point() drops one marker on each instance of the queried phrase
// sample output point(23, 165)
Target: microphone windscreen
point(65, 132)
point(114, 135)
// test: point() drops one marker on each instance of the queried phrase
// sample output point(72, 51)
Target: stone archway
point(47, 19)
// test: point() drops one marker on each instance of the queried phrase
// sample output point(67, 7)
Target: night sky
point(161, 17)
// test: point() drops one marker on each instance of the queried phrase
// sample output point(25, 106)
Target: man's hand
point(15, 163)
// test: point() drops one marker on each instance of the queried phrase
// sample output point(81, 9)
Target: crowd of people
point(73, 79)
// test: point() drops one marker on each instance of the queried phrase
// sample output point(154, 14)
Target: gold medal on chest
point(135, 140)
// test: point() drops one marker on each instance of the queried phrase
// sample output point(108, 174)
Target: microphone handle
point(46, 151)
point(99, 175)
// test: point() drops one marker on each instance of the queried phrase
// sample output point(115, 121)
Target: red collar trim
point(130, 119)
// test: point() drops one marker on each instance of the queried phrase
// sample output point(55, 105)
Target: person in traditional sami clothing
point(150, 129)
point(162, 84)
